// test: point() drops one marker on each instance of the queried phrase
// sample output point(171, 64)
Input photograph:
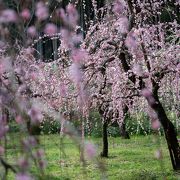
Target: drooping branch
point(7, 166)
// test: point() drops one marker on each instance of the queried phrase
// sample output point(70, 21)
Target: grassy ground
point(128, 159)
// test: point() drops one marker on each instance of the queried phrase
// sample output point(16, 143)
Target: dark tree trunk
point(169, 130)
point(33, 129)
point(123, 132)
point(104, 152)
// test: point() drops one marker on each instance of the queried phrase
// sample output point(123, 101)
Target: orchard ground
point(132, 159)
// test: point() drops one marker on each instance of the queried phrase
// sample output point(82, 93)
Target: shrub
point(114, 131)
point(13, 127)
point(50, 126)
point(94, 128)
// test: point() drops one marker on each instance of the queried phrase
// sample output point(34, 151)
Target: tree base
point(105, 155)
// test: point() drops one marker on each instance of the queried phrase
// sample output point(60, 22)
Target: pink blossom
point(2, 69)
point(29, 51)
point(19, 71)
point(1, 150)
point(146, 93)
point(3, 131)
point(2, 45)
point(151, 101)
point(25, 14)
point(76, 39)
point(137, 69)
point(118, 7)
point(8, 16)
point(23, 176)
point(62, 15)
point(33, 76)
point(35, 114)
point(65, 35)
point(131, 41)
point(122, 25)
point(19, 119)
point(22, 89)
point(41, 11)
point(177, 2)
point(72, 15)
point(63, 90)
point(155, 124)
point(178, 114)
point(79, 55)
point(29, 143)
point(149, 96)
point(40, 4)
point(6, 64)
point(23, 163)
point(25, 144)
point(40, 153)
point(31, 31)
point(71, 18)
point(32, 141)
point(50, 29)
point(178, 67)
point(3, 126)
point(90, 150)
point(83, 97)
point(75, 73)
point(158, 154)
point(42, 163)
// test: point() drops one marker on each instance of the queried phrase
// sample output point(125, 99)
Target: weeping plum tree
point(99, 83)
point(139, 50)
point(15, 92)
point(136, 52)
point(160, 55)
point(144, 51)
point(22, 75)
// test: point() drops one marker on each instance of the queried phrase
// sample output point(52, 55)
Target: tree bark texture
point(170, 132)
point(104, 152)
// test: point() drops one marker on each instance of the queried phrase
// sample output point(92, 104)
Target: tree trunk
point(33, 129)
point(82, 142)
point(104, 152)
point(123, 133)
point(169, 130)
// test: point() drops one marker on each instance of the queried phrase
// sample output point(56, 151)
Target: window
point(47, 48)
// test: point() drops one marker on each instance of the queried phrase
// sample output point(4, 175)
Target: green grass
point(128, 159)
